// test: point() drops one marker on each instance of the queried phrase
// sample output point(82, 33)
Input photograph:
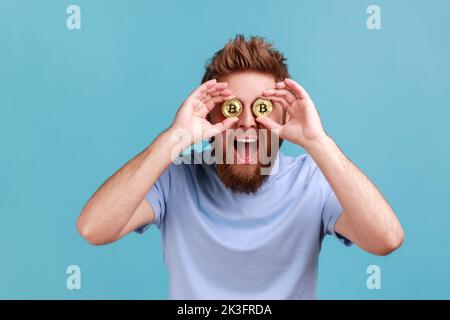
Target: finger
point(202, 109)
point(210, 104)
point(298, 89)
point(283, 85)
point(269, 123)
point(280, 100)
point(286, 94)
point(192, 102)
point(207, 85)
point(229, 122)
point(220, 127)
point(223, 92)
point(213, 90)
point(218, 86)
point(204, 87)
point(198, 107)
point(280, 85)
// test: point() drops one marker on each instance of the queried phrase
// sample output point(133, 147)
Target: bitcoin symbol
point(232, 108)
point(262, 107)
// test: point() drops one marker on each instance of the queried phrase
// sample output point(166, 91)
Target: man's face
point(244, 174)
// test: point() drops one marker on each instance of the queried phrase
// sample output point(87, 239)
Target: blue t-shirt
point(223, 245)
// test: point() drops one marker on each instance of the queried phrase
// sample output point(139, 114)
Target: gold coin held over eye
point(232, 108)
point(262, 107)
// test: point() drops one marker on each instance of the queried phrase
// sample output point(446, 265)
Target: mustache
point(244, 178)
point(224, 145)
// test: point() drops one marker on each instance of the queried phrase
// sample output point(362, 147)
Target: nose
point(246, 119)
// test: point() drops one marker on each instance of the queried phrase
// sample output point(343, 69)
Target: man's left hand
point(303, 125)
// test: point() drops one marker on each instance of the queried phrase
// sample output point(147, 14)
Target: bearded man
point(238, 228)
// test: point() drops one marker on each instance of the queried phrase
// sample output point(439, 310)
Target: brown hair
point(253, 54)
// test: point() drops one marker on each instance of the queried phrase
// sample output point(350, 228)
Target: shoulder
point(302, 163)
point(189, 164)
point(301, 167)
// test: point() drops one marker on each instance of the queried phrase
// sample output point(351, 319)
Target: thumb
point(229, 122)
point(221, 126)
point(269, 123)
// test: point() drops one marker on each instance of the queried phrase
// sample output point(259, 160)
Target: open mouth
point(246, 150)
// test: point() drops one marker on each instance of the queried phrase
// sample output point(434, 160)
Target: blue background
point(77, 104)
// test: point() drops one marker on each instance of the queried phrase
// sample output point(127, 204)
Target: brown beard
point(245, 178)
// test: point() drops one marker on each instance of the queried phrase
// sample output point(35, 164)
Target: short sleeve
point(332, 210)
point(158, 197)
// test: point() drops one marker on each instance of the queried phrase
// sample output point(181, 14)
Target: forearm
point(113, 204)
point(369, 219)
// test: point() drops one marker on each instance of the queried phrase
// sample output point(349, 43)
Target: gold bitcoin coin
point(262, 107)
point(232, 108)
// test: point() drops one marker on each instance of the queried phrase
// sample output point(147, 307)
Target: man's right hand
point(119, 206)
point(191, 117)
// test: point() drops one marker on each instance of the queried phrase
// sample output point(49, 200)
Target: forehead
point(248, 85)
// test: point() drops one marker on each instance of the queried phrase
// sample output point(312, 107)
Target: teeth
point(247, 140)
